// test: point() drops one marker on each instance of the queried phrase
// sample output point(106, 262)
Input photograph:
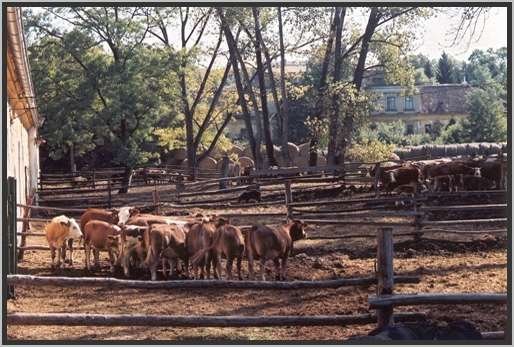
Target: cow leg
point(112, 260)
point(239, 261)
point(52, 253)
point(186, 265)
point(284, 268)
point(278, 276)
point(59, 255)
point(153, 269)
point(96, 255)
point(249, 255)
point(70, 246)
point(263, 268)
point(163, 263)
point(230, 261)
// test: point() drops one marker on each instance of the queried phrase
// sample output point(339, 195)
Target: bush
point(370, 151)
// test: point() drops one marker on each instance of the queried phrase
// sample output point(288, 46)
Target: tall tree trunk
point(73, 166)
point(284, 110)
point(249, 90)
point(313, 157)
point(239, 86)
point(338, 60)
point(262, 84)
point(373, 20)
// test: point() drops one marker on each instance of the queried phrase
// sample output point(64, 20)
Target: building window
point(391, 103)
point(410, 129)
point(409, 103)
point(428, 128)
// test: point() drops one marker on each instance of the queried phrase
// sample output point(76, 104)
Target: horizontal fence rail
point(437, 299)
point(28, 280)
point(74, 319)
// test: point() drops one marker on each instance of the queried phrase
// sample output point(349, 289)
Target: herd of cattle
point(443, 174)
point(137, 240)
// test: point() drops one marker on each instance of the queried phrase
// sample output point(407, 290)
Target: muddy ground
point(446, 263)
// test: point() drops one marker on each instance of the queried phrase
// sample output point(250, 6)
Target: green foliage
point(487, 121)
point(370, 151)
point(452, 133)
point(448, 70)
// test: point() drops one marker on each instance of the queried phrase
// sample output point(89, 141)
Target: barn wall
point(22, 158)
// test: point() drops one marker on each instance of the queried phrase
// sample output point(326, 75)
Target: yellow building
point(421, 109)
point(22, 117)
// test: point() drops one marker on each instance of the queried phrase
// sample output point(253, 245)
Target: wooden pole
point(26, 214)
point(94, 179)
point(74, 319)
point(224, 171)
point(378, 171)
point(109, 282)
point(437, 299)
point(289, 199)
point(385, 275)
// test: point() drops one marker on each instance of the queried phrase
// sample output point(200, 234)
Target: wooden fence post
point(94, 179)
point(11, 245)
point(289, 199)
point(385, 274)
point(156, 198)
point(179, 186)
point(110, 193)
point(24, 229)
point(224, 171)
point(378, 171)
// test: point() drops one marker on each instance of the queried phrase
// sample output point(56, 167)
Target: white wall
point(22, 159)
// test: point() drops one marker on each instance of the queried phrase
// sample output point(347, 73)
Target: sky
point(433, 34)
point(435, 38)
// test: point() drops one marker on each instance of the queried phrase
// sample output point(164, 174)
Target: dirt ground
point(445, 263)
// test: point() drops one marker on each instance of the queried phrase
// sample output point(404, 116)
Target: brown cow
point(113, 216)
point(167, 243)
point(449, 171)
point(200, 236)
point(228, 241)
point(272, 244)
point(470, 182)
point(101, 236)
point(132, 248)
point(403, 176)
point(494, 170)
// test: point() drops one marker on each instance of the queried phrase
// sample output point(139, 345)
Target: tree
point(58, 81)
point(487, 121)
point(447, 70)
point(428, 69)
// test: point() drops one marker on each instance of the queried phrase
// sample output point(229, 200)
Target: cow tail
point(199, 255)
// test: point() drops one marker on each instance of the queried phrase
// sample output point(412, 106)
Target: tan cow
point(59, 232)
point(264, 243)
point(112, 216)
point(229, 242)
point(101, 236)
point(168, 244)
point(200, 236)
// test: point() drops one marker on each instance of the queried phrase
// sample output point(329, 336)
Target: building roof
point(20, 88)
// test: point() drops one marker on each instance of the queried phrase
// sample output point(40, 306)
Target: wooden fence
point(384, 302)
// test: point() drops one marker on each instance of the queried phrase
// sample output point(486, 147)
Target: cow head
point(297, 230)
point(73, 228)
point(476, 172)
point(220, 221)
point(125, 213)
